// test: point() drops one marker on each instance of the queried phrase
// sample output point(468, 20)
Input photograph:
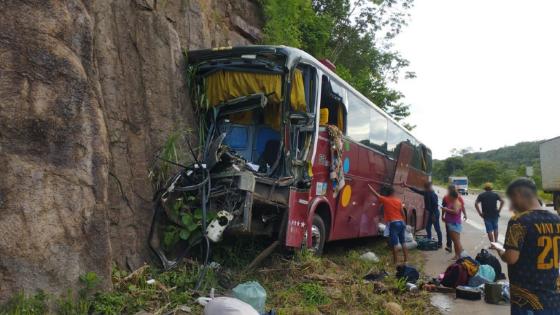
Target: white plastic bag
point(228, 306)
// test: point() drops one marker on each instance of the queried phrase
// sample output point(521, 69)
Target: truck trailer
point(550, 168)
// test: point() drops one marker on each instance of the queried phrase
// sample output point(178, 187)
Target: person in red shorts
point(393, 213)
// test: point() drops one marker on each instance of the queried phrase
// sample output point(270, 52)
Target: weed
point(313, 294)
point(21, 304)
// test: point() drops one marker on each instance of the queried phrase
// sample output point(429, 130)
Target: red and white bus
point(265, 113)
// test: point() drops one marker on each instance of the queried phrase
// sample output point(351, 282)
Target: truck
point(461, 183)
point(550, 168)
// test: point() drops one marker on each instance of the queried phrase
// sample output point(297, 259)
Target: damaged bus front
point(288, 149)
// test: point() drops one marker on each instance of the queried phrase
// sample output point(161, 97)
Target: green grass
point(297, 283)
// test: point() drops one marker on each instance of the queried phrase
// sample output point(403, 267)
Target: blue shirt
point(430, 199)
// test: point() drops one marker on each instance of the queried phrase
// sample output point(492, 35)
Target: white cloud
point(487, 72)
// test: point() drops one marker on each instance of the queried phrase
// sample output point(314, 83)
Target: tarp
point(225, 85)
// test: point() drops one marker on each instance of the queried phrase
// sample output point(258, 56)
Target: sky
point(488, 72)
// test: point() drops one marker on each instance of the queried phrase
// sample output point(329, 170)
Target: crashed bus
point(288, 149)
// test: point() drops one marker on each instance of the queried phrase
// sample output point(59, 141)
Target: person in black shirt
point(532, 253)
point(432, 209)
point(490, 211)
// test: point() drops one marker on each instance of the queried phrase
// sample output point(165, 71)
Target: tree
point(481, 171)
point(357, 36)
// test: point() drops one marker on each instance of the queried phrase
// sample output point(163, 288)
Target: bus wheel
point(318, 235)
point(413, 223)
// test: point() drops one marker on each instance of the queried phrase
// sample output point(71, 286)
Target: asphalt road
point(474, 239)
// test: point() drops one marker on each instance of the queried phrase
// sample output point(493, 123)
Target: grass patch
point(297, 283)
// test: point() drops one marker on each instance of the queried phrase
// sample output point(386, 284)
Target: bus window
point(396, 135)
point(358, 119)
point(333, 102)
point(378, 131)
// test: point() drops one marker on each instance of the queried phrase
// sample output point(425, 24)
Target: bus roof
point(293, 55)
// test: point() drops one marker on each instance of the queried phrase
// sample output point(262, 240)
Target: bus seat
point(238, 137)
point(264, 135)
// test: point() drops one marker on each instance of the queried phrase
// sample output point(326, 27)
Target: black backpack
point(409, 273)
point(485, 258)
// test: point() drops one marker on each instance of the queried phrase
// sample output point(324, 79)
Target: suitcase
point(468, 293)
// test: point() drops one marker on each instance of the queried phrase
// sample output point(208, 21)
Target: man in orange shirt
point(393, 213)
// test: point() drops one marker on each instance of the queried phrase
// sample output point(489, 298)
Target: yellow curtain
point(225, 85)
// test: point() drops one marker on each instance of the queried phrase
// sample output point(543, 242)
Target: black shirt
point(489, 200)
point(430, 199)
point(536, 235)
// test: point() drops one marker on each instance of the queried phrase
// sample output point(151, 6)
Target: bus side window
point(334, 103)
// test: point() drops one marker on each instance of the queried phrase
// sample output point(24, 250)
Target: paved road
point(474, 238)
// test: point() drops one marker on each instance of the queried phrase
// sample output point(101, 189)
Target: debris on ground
point(252, 293)
point(228, 306)
point(369, 256)
point(393, 308)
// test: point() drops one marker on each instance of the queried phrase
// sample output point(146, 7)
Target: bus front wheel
point(318, 235)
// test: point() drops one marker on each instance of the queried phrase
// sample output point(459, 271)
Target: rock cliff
point(89, 91)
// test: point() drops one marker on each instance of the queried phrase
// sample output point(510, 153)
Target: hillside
point(499, 166)
point(523, 153)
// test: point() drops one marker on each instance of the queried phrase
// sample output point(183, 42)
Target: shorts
point(491, 225)
point(396, 233)
point(455, 227)
point(516, 310)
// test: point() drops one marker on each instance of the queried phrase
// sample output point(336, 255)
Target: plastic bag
point(228, 306)
point(251, 293)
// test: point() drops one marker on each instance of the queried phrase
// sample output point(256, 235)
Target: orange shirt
point(392, 208)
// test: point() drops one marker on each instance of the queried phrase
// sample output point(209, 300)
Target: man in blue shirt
point(432, 209)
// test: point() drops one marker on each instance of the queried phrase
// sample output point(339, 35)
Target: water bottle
point(411, 287)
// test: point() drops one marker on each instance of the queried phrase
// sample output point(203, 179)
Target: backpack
point(427, 244)
point(470, 265)
point(409, 273)
point(455, 275)
point(485, 258)
point(485, 274)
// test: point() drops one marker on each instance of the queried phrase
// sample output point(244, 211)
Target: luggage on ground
point(485, 258)
point(468, 293)
point(455, 275)
point(470, 264)
point(485, 274)
point(409, 273)
point(228, 306)
point(426, 244)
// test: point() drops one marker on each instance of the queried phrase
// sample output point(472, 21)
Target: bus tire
point(414, 222)
point(318, 235)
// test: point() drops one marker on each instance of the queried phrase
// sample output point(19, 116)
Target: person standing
point(393, 213)
point(432, 210)
point(490, 211)
point(445, 202)
point(531, 252)
point(453, 222)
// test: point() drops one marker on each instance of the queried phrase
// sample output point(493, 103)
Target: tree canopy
point(355, 35)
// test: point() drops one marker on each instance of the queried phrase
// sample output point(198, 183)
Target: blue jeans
point(516, 310)
point(396, 233)
point(433, 219)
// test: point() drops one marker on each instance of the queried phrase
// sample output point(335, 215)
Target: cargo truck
point(550, 168)
point(461, 183)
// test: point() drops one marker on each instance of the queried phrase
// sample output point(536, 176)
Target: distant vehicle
point(550, 168)
point(461, 183)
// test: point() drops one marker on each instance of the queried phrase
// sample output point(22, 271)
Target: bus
point(291, 148)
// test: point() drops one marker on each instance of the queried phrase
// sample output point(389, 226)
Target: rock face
point(89, 91)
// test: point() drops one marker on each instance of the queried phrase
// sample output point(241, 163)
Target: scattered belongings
point(252, 293)
point(407, 272)
point(376, 276)
point(455, 275)
point(426, 244)
point(485, 258)
point(485, 274)
point(468, 293)
point(393, 308)
point(369, 256)
point(228, 306)
point(493, 293)
point(411, 287)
